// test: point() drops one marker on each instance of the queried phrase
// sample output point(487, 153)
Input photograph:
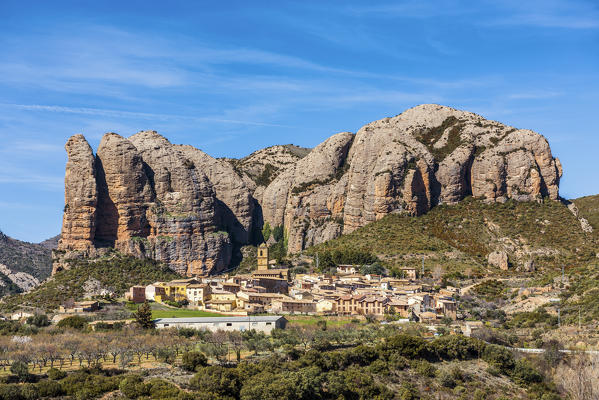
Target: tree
point(192, 360)
point(143, 316)
point(21, 370)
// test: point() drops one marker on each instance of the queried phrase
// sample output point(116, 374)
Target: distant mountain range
point(24, 265)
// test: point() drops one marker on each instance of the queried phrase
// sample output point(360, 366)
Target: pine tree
point(143, 316)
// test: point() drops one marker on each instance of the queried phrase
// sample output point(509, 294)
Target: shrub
point(39, 320)
point(10, 392)
point(133, 387)
point(424, 368)
point(161, 389)
point(73, 322)
point(48, 388)
point(30, 391)
point(408, 346)
point(192, 360)
point(21, 370)
point(217, 379)
point(525, 374)
point(56, 374)
point(499, 357)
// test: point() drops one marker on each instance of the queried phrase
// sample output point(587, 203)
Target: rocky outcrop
point(499, 259)
point(148, 197)
point(81, 196)
point(428, 155)
point(152, 202)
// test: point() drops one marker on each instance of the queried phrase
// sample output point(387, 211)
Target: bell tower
point(262, 257)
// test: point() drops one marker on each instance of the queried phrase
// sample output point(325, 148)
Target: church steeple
point(262, 257)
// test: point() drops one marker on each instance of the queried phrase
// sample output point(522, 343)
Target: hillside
point(588, 208)
point(23, 265)
point(460, 237)
point(263, 166)
point(87, 278)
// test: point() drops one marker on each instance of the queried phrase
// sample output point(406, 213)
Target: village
point(272, 291)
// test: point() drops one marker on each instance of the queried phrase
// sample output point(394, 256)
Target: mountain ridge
point(149, 198)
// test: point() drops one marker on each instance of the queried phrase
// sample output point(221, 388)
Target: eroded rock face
point(427, 155)
point(498, 259)
point(148, 197)
point(81, 197)
point(151, 202)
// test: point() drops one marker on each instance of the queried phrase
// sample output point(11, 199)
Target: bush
point(192, 360)
point(56, 374)
point(499, 357)
point(408, 346)
point(48, 388)
point(525, 374)
point(39, 320)
point(73, 322)
point(21, 370)
point(424, 368)
point(161, 389)
point(30, 391)
point(217, 379)
point(10, 392)
point(133, 387)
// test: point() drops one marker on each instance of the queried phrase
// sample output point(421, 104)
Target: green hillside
point(116, 273)
point(459, 237)
point(18, 256)
point(588, 208)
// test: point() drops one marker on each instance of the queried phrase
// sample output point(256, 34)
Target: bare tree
point(578, 376)
point(438, 272)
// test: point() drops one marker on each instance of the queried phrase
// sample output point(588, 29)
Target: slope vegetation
point(461, 236)
point(588, 207)
point(113, 274)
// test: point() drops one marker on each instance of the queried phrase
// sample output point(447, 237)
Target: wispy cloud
point(130, 114)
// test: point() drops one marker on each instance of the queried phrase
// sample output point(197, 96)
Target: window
point(229, 324)
point(269, 323)
point(165, 325)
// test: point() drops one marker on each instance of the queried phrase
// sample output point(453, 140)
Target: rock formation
point(177, 204)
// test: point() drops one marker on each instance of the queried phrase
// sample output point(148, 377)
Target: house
point(292, 306)
point(20, 315)
point(136, 294)
point(155, 289)
point(221, 300)
point(197, 293)
point(79, 307)
point(272, 284)
point(347, 269)
point(176, 290)
point(246, 297)
point(447, 307)
point(259, 323)
point(373, 305)
point(326, 306)
point(400, 306)
point(409, 273)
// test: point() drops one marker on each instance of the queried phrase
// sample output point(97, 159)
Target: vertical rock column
point(123, 193)
point(81, 197)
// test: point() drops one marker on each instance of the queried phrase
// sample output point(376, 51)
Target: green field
point(182, 313)
point(313, 320)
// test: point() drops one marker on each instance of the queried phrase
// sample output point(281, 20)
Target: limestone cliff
point(148, 197)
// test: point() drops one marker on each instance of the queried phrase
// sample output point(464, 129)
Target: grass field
point(313, 320)
point(182, 313)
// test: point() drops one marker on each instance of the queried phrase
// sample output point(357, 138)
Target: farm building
point(259, 323)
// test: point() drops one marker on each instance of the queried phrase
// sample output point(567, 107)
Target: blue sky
point(233, 77)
